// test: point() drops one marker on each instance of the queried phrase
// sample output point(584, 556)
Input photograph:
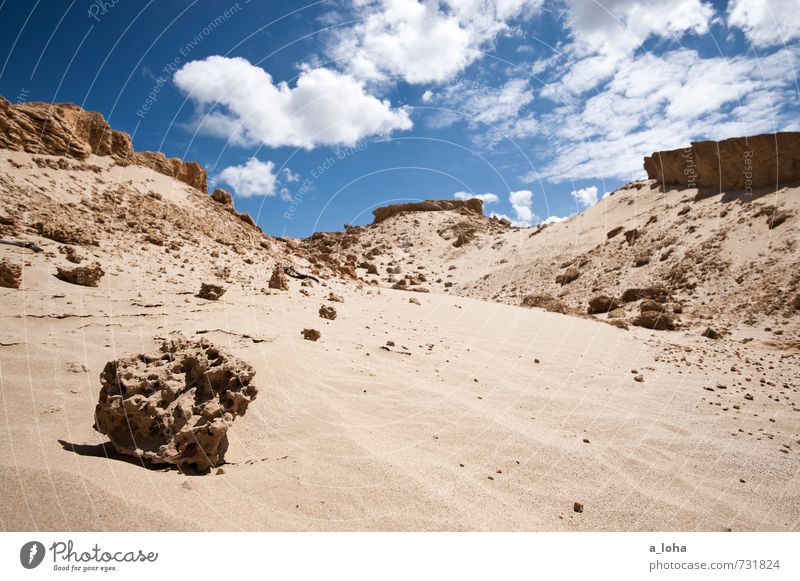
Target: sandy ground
point(477, 418)
point(481, 416)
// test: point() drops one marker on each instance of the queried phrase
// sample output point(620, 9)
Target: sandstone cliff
point(67, 130)
point(740, 163)
point(474, 206)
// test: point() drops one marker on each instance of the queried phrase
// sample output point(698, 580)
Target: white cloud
point(427, 96)
point(608, 134)
point(605, 35)
point(521, 202)
point(505, 108)
point(553, 220)
point(422, 42)
point(766, 22)
point(239, 101)
point(585, 196)
point(253, 178)
point(289, 176)
point(487, 198)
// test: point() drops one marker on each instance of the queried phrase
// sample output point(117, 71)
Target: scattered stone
point(278, 279)
point(210, 292)
point(710, 333)
point(577, 507)
point(333, 297)
point(81, 275)
point(567, 276)
point(546, 302)
point(611, 233)
point(310, 334)
point(639, 378)
point(174, 406)
point(656, 320)
point(602, 304)
point(327, 312)
point(10, 274)
point(223, 196)
point(414, 301)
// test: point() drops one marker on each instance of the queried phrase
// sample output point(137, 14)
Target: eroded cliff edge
point(67, 130)
point(763, 161)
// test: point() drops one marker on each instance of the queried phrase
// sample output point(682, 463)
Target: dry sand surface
point(466, 411)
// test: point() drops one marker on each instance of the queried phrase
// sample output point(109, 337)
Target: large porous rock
point(174, 406)
point(737, 164)
point(10, 274)
point(81, 275)
point(656, 320)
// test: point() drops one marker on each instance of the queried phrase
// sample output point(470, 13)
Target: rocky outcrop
point(278, 279)
point(174, 406)
point(223, 196)
point(65, 129)
point(737, 164)
point(472, 206)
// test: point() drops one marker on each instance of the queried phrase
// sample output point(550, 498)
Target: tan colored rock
point(222, 196)
point(278, 279)
point(10, 274)
point(210, 292)
point(472, 206)
point(174, 406)
point(763, 161)
point(602, 304)
point(327, 312)
point(81, 275)
point(67, 130)
point(310, 334)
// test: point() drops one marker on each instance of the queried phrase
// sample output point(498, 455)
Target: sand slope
point(475, 419)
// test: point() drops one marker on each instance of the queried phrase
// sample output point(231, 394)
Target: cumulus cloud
point(766, 22)
point(487, 198)
point(422, 42)
point(585, 197)
point(252, 178)
point(605, 35)
point(239, 101)
point(522, 203)
point(608, 134)
point(553, 220)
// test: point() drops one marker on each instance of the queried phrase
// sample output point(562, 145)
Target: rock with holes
point(210, 292)
point(174, 406)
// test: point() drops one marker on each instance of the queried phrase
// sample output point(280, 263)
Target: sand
point(483, 415)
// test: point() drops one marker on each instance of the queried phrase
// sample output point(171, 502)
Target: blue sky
point(313, 114)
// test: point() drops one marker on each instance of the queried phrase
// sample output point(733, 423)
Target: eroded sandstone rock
point(278, 279)
point(67, 130)
point(10, 274)
point(762, 161)
point(81, 275)
point(210, 292)
point(471, 206)
point(174, 406)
